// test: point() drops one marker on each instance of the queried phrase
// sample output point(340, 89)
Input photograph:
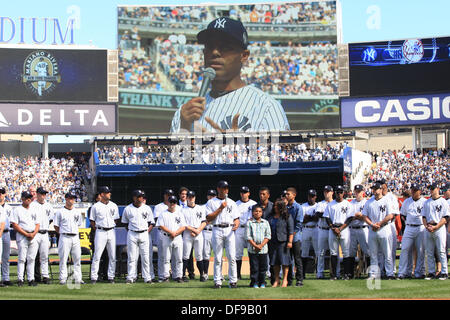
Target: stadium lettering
point(47, 118)
point(10, 29)
point(418, 109)
point(152, 100)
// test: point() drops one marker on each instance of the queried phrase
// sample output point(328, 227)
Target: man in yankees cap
point(67, 222)
point(223, 214)
point(138, 219)
point(231, 103)
point(104, 217)
point(6, 238)
point(207, 239)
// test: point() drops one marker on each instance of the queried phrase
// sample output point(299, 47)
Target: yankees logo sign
point(220, 23)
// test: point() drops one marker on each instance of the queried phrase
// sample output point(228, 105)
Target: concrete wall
point(20, 148)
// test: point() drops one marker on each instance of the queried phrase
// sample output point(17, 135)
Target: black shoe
point(299, 284)
point(32, 283)
point(391, 278)
point(202, 278)
point(233, 285)
point(180, 280)
point(419, 277)
point(20, 283)
point(333, 278)
point(93, 281)
point(430, 276)
point(192, 276)
point(2, 285)
point(185, 279)
point(46, 281)
point(401, 278)
point(217, 286)
point(7, 283)
point(443, 276)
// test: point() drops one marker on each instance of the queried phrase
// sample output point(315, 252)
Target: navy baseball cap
point(71, 194)
point(211, 192)
point(172, 199)
point(382, 181)
point(244, 189)
point(104, 189)
point(226, 26)
point(2, 190)
point(434, 186)
point(191, 193)
point(312, 192)
point(446, 187)
point(283, 194)
point(138, 193)
point(41, 190)
point(415, 186)
point(169, 192)
point(26, 194)
point(376, 185)
point(339, 188)
point(222, 184)
point(328, 188)
point(359, 187)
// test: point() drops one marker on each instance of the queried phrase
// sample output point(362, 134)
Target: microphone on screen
point(208, 75)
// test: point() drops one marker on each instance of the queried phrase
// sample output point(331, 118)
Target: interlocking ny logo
point(220, 23)
point(178, 220)
point(382, 208)
point(438, 208)
point(344, 209)
point(419, 210)
point(199, 215)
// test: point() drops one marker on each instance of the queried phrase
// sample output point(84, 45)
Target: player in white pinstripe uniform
point(207, 237)
point(309, 233)
point(231, 103)
point(244, 205)
point(359, 230)
point(6, 238)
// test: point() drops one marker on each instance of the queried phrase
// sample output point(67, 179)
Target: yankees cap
point(434, 186)
point(415, 186)
point(169, 192)
point(328, 188)
point(376, 185)
point(172, 199)
point(312, 192)
point(71, 194)
point(211, 192)
point(2, 190)
point(233, 28)
point(244, 189)
point(41, 190)
point(222, 184)
point(104, 189)
point(359, 187)
point(26, 194)
point(339, 188)
point(191, 193)
point(138, 193)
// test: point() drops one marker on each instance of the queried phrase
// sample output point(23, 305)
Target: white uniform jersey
point(2, 215)
point(321, 206)
point(161, 207)
point(104, 214)
point(309, 210)
point(68, 221)
point(194, 216)
point(357, 206)
point(393, 200)
point(257, 112)
point(435, 210)
point(8, 212)
point(245, 211)
point(137, 218)
point(228, 214)
point(47, 214)
point(413, 210)
point(377, 210)
point(27, 219)
point(338, 212)
point(171, 220)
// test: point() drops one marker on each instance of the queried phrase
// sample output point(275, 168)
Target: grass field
point(196, 290)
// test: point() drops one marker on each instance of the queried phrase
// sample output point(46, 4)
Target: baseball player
point(395, 210)
point(195, 218)
point(160, 207)
point(67, 222)
point(25, 221)
point(296, 211)
point(434, 215)
point(338, 215)
point(378, 216)
point(413, 235)
point(138, 219)
point(310, 231)
point(244, 205)
point(231, 104)
point(359, 230)
point(223, 214)
point(171, 224)
point(182, 193)
point(447, 197)
point(207, 239)
point(104, 217)
point(6, 238)
point(46, 218)
point(322, 238)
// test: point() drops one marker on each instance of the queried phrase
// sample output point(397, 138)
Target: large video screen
point(408, 66)
point(53, 75)
point(291, 67)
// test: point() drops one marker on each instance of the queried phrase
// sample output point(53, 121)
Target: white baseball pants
point(381, 240)
point(171, 249)
point(436, 241)
point(197, 242)
point(69, 245)
point(44, 245)
point(361, 237)
point(224, 238)
point(27, 252)
point(241, 242)
point(412, 236)
point(138, 244)
point(104, 239)
point(6, 250)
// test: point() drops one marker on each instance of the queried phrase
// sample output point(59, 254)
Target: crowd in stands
point(278, 13)
point(216, 154)
point(57, 176)
point(400, 169)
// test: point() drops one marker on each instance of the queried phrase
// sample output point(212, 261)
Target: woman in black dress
point(282, 229)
